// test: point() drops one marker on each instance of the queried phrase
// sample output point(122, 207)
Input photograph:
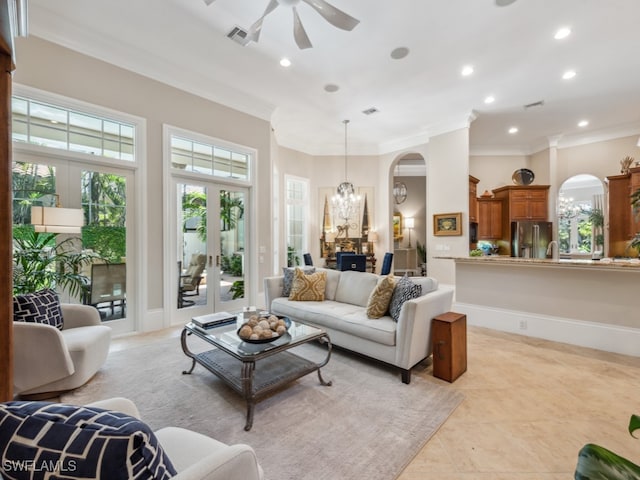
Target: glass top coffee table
point(255, 369)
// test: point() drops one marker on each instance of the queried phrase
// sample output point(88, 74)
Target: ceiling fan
point(331, 14)
point(501, 3)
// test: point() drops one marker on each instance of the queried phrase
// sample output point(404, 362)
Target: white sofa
point(196, 456)
point(343, 315)
point(47, 361)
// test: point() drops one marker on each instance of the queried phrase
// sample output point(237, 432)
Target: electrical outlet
point(523, 324)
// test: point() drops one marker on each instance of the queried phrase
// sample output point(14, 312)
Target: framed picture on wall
point(447, 224)
point(397, 226)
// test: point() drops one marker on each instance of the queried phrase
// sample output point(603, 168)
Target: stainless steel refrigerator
point(530, 239)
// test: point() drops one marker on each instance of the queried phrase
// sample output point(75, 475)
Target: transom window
point(49, 125)
point(207, 159)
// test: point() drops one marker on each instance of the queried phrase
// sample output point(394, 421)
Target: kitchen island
point(582, 302)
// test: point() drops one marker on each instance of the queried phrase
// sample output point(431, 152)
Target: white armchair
point(196, 456)
point(48, 361)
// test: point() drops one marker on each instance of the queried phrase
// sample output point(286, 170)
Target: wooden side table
point(449, 337)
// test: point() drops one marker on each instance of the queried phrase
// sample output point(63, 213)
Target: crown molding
point(84, 40)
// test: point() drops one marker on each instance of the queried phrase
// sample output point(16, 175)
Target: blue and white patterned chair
point(108, 440)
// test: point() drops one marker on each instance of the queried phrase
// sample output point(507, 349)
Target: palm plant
point(40, 261)
point(596, 462)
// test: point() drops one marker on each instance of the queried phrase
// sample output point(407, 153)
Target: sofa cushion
point(336, 316)
point(355, 287)
point(308, 287)
point(287, 282)
point(78, 442)
point(380, 297)
point(405, 290)
point(428, 284)
point(38, 307)
point(333, 279)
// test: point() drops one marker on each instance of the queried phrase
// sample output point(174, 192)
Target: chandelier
point(399, 188)
point(568, 209)
point(346, 203)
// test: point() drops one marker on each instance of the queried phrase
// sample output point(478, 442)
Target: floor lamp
point(409, 224)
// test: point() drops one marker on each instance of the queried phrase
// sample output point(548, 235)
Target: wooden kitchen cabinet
point(473, 198)
point(621, 221)
point(489, 218)
point(524, 202)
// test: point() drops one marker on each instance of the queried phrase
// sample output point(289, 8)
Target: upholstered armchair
point(196, 456)
point(48, 360)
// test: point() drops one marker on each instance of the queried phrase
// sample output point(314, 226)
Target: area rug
point(368, 424)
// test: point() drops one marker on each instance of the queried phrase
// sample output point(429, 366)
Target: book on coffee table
point(213, 320)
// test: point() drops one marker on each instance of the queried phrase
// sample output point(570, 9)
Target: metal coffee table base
point(253, 383)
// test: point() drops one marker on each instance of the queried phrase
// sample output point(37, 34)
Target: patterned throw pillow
point(288, 278)
point(308, 288)
point(380, 297)
point(53, 440)
point(405, 290)
point(38, 307)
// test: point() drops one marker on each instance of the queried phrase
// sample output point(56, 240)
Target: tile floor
point(530, 405)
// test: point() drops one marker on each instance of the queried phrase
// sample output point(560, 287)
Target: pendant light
point(346, 188)
point(399, 188)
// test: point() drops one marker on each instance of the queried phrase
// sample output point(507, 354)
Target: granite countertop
point(605, 263)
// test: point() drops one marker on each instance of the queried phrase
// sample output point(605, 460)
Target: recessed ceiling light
point(563, 32)
point(285, 62)
point(399, 53)
point(583, 123)
point(513, 130)
point(331, 88)
point(569, 74)
point(467, 70)
point(490, 99)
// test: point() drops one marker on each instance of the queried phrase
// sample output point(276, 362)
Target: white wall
point(447, 192)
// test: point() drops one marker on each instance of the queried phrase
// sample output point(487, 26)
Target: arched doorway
point(409, 214)
point(580, 215)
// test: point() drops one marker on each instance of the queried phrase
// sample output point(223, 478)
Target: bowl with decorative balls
point(263, 329)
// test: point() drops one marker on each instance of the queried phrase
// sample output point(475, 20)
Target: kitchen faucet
point(550, 249)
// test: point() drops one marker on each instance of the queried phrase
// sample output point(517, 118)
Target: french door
point(105, 194)
point(210, 263)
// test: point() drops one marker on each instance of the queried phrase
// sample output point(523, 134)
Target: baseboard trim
point(606, 337)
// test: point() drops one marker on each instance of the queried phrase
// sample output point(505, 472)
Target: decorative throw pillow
point(308, 288)
point(38, 307)
point(53, 440)
point(405, 290)
point(288, 278)
point(380, 297)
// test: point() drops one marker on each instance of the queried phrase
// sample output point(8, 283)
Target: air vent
point(239, 35)
point(535, 104)
point(370, 111)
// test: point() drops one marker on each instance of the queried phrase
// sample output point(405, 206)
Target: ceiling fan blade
point(504, 3)
point(299, 33)
point(209, 2)
point(334, 16)
point(256, 28)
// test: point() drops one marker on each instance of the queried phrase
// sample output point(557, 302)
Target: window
point(48, 125)
point(296, 218)
point(217, 161)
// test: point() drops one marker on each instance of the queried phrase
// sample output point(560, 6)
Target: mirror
point(580, 215)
